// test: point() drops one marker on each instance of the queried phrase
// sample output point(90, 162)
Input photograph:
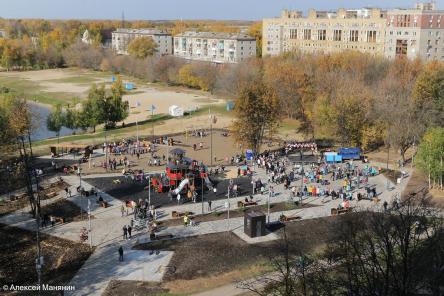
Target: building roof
point(217, 35)
point(145, 31)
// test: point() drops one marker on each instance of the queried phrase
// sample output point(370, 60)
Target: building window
point(293, 34)
point(337, 35)
point(307, 34)
point(354, 35)
point(401, 47)
point(322, 34)
point(371, 36)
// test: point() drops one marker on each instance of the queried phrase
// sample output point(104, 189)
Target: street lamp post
point(228, 205)
point(149, 191)
point(201, 182)
point(89, 224)
point(388, 159)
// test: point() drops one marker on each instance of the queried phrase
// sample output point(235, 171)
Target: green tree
point(92, 113)
point(112, 108)
point(142, 47)
point(429, 87)
point(55, 121)
point(431, 154)
point(257, 112)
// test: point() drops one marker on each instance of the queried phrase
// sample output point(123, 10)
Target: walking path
point(103, 266)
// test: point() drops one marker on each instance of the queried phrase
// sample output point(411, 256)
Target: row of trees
point(400, 252)
point(350, 98)
point(100, 107)
point(430, 156)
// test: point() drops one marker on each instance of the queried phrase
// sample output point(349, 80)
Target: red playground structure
point(181, 175)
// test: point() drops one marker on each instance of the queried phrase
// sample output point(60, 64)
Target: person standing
point(120, 254)
point(122, 210)
point(129, 230)
point(209, 205)
point(125, 232)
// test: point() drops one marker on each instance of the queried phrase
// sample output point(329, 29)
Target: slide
point(208, 183)
point(181, 185)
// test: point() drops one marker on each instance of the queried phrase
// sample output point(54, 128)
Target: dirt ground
point(7, 207)
point(118, 288)
point(223, 149)
point(63, 258)
point(66, 209)
point(418, 182)
point(207, 261)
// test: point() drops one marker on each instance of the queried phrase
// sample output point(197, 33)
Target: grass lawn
point(32, 91)
point(158, 118)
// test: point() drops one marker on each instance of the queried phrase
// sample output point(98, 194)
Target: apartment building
point(415, 33)
point(411, 32)
point(214, 47)
point(325, 31)
point(122, 37)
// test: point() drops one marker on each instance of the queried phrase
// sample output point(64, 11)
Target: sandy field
point(76, 83)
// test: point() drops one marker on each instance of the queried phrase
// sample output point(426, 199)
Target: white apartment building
point(214, 47)
point(415, 33)
point(122, 37)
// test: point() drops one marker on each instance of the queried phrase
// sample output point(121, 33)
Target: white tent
point(175, 111)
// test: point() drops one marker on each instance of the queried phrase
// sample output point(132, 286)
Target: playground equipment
point(182, 174)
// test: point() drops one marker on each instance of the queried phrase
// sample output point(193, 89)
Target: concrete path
point(104, 266)
point(107, 224)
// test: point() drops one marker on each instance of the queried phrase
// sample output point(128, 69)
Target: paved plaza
point(103, 265)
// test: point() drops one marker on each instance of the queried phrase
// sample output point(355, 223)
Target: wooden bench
point(161, 236)
point(175, 214)
point(243, 204)
point(59, 219)
point(335, 212)
point(103, 204)
point(376, 200)
point(284, 218)
point(51, 194)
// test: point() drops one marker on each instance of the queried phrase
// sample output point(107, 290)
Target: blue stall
point(350, 153)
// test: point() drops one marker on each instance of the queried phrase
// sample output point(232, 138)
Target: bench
point(335, 212)
point(376, 200)
point(51, 194)
point(103, 204)
point(161, 236)
point(284, 218)
point(243, 204)
point(59, 219)
point(175, 214)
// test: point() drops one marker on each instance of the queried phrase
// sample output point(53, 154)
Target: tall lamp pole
point(228, 205)
point(89, 224)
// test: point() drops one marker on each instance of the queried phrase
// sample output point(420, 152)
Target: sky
point(178, 9)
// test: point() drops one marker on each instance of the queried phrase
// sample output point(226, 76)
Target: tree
point(429, 87)
point(257, 112)
point(142, 47)
point(255, 30)
point(55, 121)
point(92, 113)
point(396, 253)
point(113, 109)
point(430, 155)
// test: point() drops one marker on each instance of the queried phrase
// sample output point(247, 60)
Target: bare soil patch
point(62, 258)
point(7, 207)
point(65, 209)
point(117, 288)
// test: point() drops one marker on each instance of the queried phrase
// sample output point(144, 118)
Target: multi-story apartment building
point(122, 37)
point(415, 33)
point(412, 32)
point(214, 47)
point(324, 31)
